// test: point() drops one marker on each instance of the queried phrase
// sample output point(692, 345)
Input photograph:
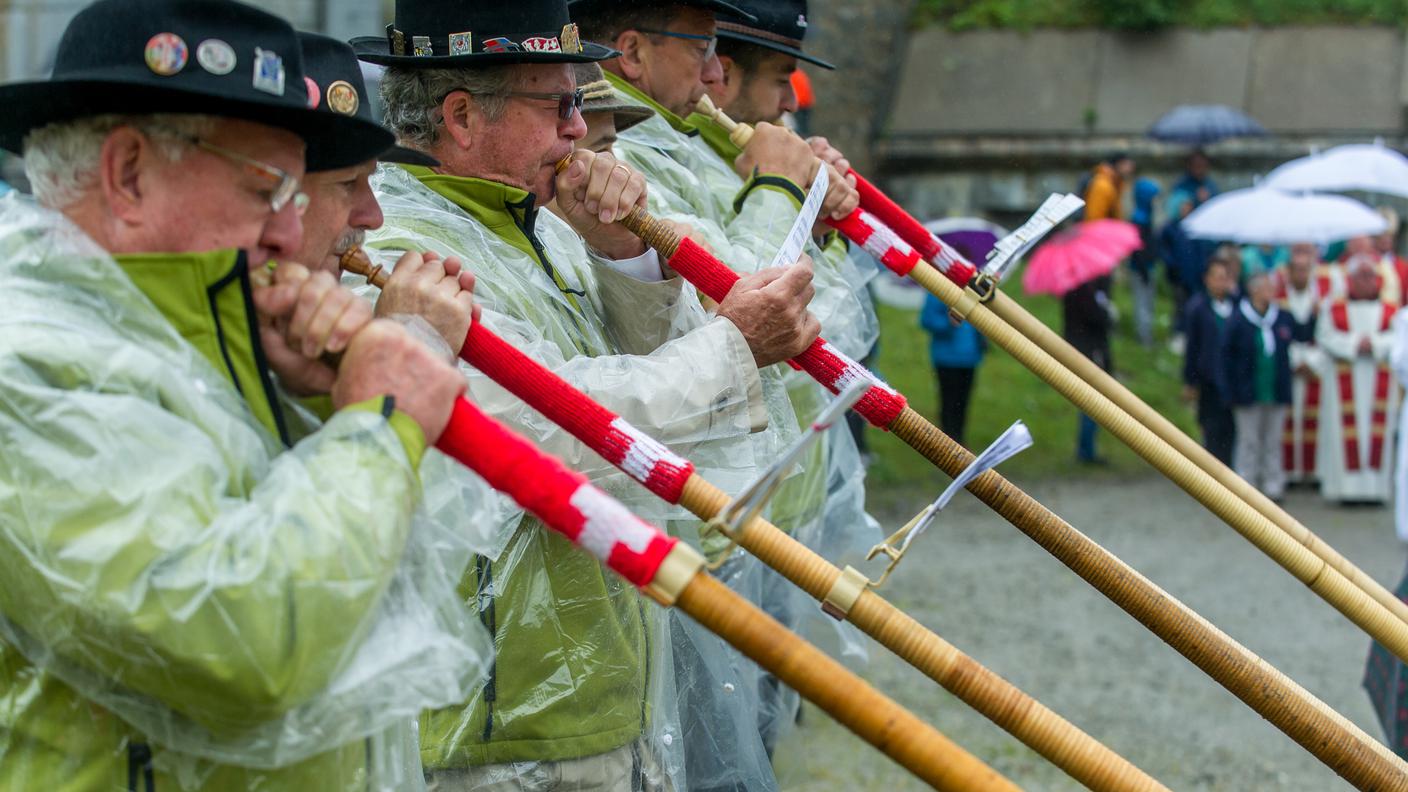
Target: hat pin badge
point(461, 43)
point(570, 38)
point(268, 72)
point(342, 98)
point(166, 54)
point(216, 57)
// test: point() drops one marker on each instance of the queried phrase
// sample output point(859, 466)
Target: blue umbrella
point(1199, 125)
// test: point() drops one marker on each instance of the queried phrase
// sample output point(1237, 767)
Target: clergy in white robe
point(1300, 288)
point(1359, 397)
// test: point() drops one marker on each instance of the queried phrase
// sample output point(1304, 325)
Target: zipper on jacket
point(139, 759)
point(526, 226)
point(484, 599)
point(240, 272)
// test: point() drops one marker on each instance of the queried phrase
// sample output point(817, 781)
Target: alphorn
point(1020, 319)
point(931, 249)
point(1326, 734)
point(1330, 575)
point(671, 572)
point(676, 481)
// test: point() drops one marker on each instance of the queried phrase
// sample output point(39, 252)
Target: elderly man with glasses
point(204, 586)
point(742, 206)
point(578, 693)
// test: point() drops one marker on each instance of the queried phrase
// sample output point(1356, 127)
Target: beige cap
point(600, 96)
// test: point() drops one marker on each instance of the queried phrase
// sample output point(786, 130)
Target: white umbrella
point(1372, 167)
point(1264, 216)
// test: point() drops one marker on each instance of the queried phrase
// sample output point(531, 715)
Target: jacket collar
point(496, 206)
point(678, 124)
point(206, 297)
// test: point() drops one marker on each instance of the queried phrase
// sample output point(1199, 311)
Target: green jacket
point(187, 601)
point(575, 644)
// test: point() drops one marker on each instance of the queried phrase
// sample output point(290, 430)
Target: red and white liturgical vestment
point(1359, 401)
point(1298, 440)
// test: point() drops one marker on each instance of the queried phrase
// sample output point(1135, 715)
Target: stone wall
point(31, 28)
point(991, 122)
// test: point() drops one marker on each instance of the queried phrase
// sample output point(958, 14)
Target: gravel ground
point(990, 591)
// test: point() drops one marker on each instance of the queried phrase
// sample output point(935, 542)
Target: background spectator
point(1255, 380)
point(1196, 182)
point(1207, 316)
point(1141, 263)
point(1106, 188)
point(1086, 315)
point(955, 350)
point(1185, 259)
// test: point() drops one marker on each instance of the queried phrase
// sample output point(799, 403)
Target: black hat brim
point(408, 156)
point(333, 141)
point(775, 47)
point(376, 49)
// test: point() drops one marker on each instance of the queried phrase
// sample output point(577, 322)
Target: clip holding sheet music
point(1015, 440)
point(1011, 248)
point(755, 496)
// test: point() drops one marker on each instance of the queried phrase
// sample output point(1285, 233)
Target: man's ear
point(125, 167)
point(732, 72)
point(631, 64)
point(463, 121)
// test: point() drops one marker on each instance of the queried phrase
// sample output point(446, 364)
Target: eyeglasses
point(285, 188)
point(567, 103)
point(709, 51)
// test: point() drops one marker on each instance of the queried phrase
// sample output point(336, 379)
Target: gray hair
point(412, 98)
point(61, 159)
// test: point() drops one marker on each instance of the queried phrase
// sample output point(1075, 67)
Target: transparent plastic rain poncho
point(586, 665)
point(745, 225)
point(692, 184)
point(253, 616)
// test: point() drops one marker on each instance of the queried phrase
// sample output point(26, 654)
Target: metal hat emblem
point(342, 98)
point(216, 57)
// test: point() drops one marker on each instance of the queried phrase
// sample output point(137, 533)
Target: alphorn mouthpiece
point(740, 134)
point(356, 262)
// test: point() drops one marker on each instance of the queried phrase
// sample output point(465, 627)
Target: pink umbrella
point(1076, 255)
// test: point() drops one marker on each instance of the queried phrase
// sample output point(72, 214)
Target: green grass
point(1006, 391)
point(1028, 14)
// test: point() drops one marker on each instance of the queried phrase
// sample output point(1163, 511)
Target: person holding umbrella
point(1196, 180)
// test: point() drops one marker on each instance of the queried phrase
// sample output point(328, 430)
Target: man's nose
point(283, 233)
point(713, 71)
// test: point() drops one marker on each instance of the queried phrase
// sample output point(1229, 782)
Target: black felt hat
point(335, 85)
point(778, 25)
point(717, 6)
point(439, 34)
point(214, 57)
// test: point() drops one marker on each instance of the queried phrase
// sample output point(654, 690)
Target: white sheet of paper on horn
point(1011, 248)
point(791, 249)
point(1015, 440)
